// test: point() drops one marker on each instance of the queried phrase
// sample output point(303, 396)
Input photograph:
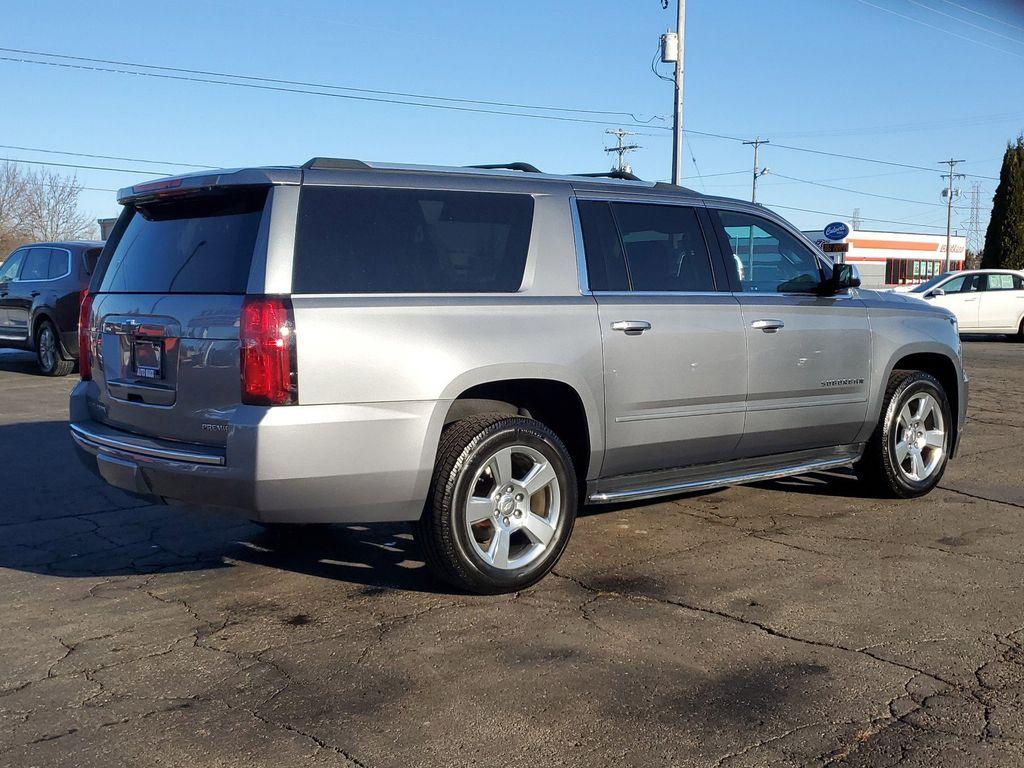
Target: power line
point(869, 160)
point(664, 130)
point(958, 20)
point(865, 218)
point(983, 15)
point(857, 191)
point(85, 167)
point(104, 157)
point(940, 29)
point(354, 89)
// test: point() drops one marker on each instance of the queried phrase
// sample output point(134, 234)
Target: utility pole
point(949, 203)
point(758, 172)
point(855, 222)
point(621, 149)
point(677, 110)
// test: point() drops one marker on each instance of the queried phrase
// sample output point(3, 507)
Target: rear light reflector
point(85, 336)
point(267, 338)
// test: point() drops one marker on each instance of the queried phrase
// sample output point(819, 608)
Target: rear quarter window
point(198, 244)
point(378, 240)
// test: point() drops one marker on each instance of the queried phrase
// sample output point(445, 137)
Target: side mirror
point(936, 292)
point(844, 276)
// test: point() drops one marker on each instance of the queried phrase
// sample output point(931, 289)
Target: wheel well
point(943, 369)
point(553, 403)
point(38, 321)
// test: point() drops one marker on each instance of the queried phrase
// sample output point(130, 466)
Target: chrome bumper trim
point(91, 439)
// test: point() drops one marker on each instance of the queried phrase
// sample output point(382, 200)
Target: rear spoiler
point(193, 183)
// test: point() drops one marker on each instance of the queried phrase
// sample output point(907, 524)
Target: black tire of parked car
point(54, 363)
point(465, 445)
point(878, 468)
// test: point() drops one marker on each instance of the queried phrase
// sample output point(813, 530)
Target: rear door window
point(60, 262)
point(606, 264)
point(198, 244)
point(37, 265)
point(380, 240)
point(1000, 282)
point(665, 248)
point(10, 267)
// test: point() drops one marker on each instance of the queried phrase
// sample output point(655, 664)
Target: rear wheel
point(502, 504)
point(910, 448)
point(51, 361)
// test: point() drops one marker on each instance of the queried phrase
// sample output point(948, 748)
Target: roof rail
point(524, 167)
point(335, 164)
point(613, 174)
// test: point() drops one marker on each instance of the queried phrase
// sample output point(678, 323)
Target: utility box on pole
point(669, 48)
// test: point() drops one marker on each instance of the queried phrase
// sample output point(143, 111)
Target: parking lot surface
point(796, 622)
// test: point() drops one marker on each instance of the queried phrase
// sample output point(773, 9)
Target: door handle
point(967, 300)
point(34, 294)
point(768, 326)
point(631, 327)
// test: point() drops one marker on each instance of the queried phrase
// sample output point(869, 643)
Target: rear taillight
point(267, 340)
point(85, 336)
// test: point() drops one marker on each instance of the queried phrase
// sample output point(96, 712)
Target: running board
point(650, 485)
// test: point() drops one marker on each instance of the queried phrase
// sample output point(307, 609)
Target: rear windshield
point(370, 240)
point(196, 245)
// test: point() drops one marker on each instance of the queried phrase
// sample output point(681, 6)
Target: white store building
point(887, 259)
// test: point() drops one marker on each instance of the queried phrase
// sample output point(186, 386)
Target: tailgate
point(165, 316)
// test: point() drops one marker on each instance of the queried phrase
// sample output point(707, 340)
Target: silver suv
point(482, 350)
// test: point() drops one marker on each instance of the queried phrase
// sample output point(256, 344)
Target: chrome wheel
point(47, 348)
point(920, 437)
point(513, 507)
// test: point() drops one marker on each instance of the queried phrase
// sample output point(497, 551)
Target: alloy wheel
point(920, 437)
point(513, 507)
point(47, 348)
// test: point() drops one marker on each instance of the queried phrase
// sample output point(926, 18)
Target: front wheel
point(51, 361)
point(502, 504)
point(909, 450)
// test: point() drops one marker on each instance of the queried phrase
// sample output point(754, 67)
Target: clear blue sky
point(919, 82)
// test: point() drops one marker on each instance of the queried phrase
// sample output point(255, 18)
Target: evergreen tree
point(1004, 240)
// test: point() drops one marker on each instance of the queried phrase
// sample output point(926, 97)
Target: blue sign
point(837, 230)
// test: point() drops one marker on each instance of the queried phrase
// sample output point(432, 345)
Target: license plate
point(147, 359)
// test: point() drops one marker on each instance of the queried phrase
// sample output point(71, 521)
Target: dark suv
point(41, 287)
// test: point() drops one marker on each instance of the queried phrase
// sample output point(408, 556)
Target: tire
point(522, 525)
point(896, 462)
point(51, 361)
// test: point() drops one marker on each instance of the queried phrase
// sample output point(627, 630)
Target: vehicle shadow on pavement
point(57, 519)
point(16, 361)
point(837, 484)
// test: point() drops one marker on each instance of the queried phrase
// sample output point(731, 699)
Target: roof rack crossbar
point(524, 167)
point(614, 174)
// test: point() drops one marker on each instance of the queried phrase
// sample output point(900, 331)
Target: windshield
point(927, 285)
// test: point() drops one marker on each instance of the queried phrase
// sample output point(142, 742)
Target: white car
point(983, 300)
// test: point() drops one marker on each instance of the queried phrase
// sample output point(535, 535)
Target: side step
point(650, 485)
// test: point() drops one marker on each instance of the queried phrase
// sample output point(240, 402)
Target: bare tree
point(13, 196)
point(51, 208)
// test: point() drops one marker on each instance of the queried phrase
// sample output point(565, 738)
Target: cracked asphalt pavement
point(792, 623)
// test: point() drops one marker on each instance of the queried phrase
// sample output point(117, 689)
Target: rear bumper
point(299, 464)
